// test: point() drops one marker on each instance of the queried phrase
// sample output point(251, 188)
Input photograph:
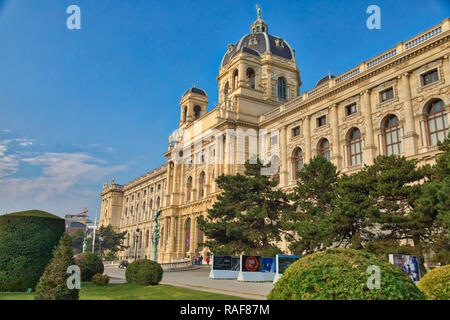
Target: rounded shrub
point(89, 264)
point(100, 279)
point(342, 274)
point(436, 284)
point(144, 272)
point(27, 240)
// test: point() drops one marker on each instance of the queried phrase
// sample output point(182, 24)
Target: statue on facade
point(112, 181)
point(155, 238)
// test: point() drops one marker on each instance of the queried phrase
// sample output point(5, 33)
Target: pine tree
point(246, 216)
point(310, 225)
point(53, 283)
point(435, 202)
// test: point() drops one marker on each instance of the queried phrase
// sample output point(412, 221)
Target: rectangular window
point(274, 140)
point(321, 121)
point(295, 131)
point(430, 77)
point(350, 109)
point(387, 94)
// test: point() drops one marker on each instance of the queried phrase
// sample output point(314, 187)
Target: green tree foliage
point(112, 240)
point(27, 240)
point(435, 203)
point(77, 240)
point(311, 222)
point(89, 264)
point(246, 215)
point(341, 274)
point(53, 283)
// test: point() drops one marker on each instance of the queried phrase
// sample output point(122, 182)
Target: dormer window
point(230, 47)
point(253, 40)
point(279, 43)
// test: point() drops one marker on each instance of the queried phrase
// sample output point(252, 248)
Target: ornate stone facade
point(395, 103)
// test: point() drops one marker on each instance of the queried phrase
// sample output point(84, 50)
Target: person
point(200, 259)
point(207, 260)
point(193, 260)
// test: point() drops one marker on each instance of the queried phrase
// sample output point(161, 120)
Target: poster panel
point(408, 264)
point(268, 265)
point(284, 261)
point(221, 262)
point(235, 263)
point(251, 263)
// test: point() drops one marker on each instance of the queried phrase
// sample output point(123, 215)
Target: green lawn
point(128, 291)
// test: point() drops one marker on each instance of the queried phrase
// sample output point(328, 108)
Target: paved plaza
point(198, 279)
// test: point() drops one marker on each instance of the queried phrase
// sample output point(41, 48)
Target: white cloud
point(24, 142)
point(8, 163)
point(63, 182)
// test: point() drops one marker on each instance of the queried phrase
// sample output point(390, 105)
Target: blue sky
point(78, 107)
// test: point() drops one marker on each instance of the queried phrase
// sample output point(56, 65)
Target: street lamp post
point(137, 236)
point(100, 241)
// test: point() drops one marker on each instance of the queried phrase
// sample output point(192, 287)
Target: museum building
point(393, 104)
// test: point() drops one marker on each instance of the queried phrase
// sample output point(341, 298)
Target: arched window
point(197, 112)
point(185, 113)
point(201, 185)
point(275, 165)
point(297, 161)
point(324, 149)
point(355, 147)
point(437, 122)
point(281, 89)
point(251, 77)
point(188, 189)
point(147, 238)
point(226, 88)
point(158, 203)
point(392, 136)
point(235, 79)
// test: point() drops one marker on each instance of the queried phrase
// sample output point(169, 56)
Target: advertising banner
point(282, 263)
point(408, 264)
point(221, 262)
point(268, 265)
point(235, 263)
point(251, 263)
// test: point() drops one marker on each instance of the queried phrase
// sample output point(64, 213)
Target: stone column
point(229, 151)
point(410, 138)
point(242, 74)
point(369, 152)
point(336, 155)
point(307, 135)
point(192, 231)
point(175, 185)
point(269, 83)
point(283, 150)
point(172, 238)
point(194, 183)
point(168, 185)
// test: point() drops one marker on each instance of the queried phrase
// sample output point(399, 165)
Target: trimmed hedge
point(27, 239)
point(436, 283)
point(144, 272)
point(341, 274)
point(100, 279)
point(53, 283)
point(89, 264)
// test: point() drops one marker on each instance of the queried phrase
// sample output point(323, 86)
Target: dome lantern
point(259, 25)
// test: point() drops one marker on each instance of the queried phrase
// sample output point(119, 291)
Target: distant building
point(78, 221)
